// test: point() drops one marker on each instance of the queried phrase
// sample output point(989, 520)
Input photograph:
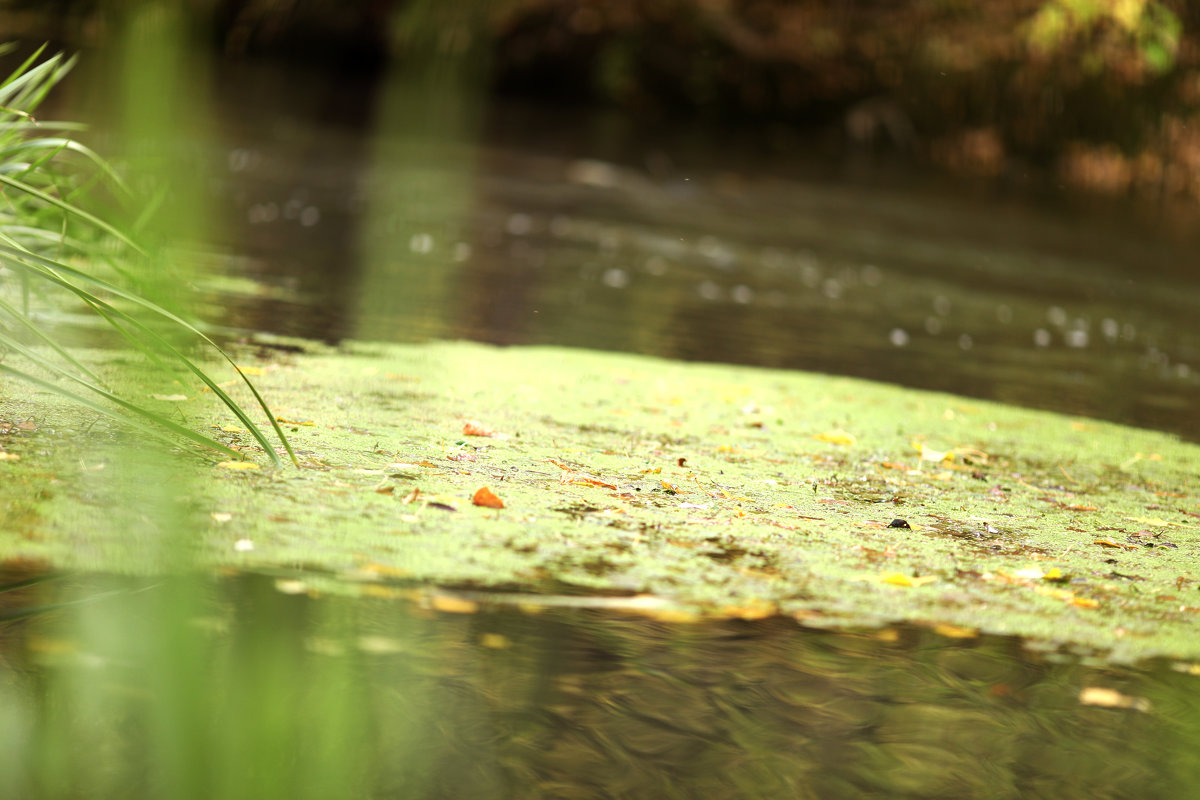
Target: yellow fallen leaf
point(955, 632)
point(1085, 602)
point(9, 456)
point(494, 641)
point(1053, 574)
point(1111, 698)
point(1157, 522)
point(453, 605)
point(171, 398)
point(900, 579)
point(836, 436)
point(243, 465)
point(251, 370)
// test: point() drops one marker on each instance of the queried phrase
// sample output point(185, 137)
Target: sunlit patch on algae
point(713, 490)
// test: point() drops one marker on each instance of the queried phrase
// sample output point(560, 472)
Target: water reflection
point(272, 693)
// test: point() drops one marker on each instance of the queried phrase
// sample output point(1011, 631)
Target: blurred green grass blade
point(24, 322)
point(50, 270)
point(59, 143)
point(156, 430)
point(71, 209)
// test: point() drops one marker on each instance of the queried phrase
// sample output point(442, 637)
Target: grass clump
point(57, 252)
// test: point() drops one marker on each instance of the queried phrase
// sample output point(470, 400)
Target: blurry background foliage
point(1108, 90)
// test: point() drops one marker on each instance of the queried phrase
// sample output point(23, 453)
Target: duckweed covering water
point(685, 490)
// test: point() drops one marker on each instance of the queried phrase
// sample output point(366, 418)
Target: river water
point(742, 246)
point(341, 217)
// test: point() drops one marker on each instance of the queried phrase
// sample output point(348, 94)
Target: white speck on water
point(898, 337)
point(831, 289)
point(1041, 337)
point(1076, 338)
point(615, 277)
point(1056, 316)
point(742, 294)
point(933, 325)
point(519, 224)
point(965, 342)
point(263, 212)
point(310, 216)
point(421, 243)
point(1182, 371)
point(462, 251)
point(1110, 329)
point(941, 305)
point(243, 545)
point(709, 290)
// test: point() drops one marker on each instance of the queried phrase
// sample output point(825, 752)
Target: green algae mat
point(466, 473)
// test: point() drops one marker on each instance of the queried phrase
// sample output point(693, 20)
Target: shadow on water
point(232, 688)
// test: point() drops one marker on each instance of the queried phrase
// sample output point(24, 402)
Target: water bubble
point(657, 265)
point(742, 294)
point(1003, 314)
point(810, 275)
point(519, 224)
point(1056, 316)
point(310, 216)
point(965, 342)
point(420, 243)
point(941, 305)
point(831, 289)
point(898, 337)
point(1041, 337)
point(709, 290)
point(933, 325)
point(263, 212)
point(716, 251)
point(615, 277)
point(1076, 338)
point(871, 275)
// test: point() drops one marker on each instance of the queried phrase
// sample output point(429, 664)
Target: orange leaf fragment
point(1085, 602)
point(1111, 543)
point(475, 429)
point(487, 498)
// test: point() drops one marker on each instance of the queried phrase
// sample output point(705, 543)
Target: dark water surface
point(236, 689)
point(545, 226)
